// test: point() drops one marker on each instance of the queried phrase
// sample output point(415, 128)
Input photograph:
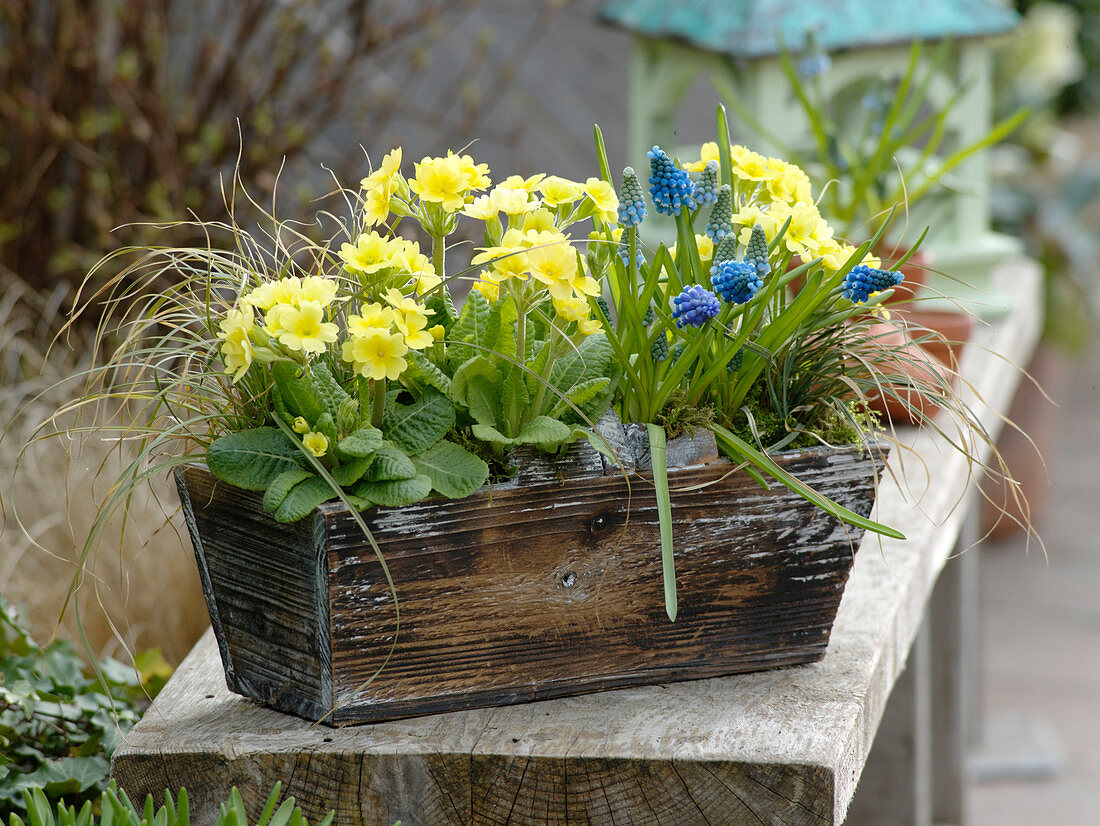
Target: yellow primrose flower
point(519, 182)
point(705, 247)
point(443, 181)
point(318, 289)
point(557, 191)
point(386, 172)
point(571, 308)
point(707, 152)
point(807, 230)
point(405, 256)
point(300, 425)
point(261, 297)
point(481, 208)
point(752, 166)
point(513, 201)
point(751, 216)
point(487, 287)
point(477, 174)
point(604, 197)
point(791, 185)
point(376, 207)
point(303, 328)
point(506, 261)
point(236, 346)
point(372, 316)
point(438, 332)
point(411, 319)
point(315, 443)
point(540, 220)
point(377, 354)
point(369, 254)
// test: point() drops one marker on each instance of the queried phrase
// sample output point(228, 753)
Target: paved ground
point(1041, 634)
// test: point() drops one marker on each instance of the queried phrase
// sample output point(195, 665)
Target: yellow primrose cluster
point(380, 336)
point(395, 261)
point(544, 256)
point(447, 181)
point(769, 191)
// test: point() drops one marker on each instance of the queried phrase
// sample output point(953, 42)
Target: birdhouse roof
point(760, 28)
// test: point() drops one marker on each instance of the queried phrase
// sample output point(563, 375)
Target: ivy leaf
point(390, 463)
point(544, 433)
point(418, 426)
point(277, 491)
point(252, 459)
point(360, 444)
point(298, 390)
point(303, 498)
point(395, 492)
point(454, 471)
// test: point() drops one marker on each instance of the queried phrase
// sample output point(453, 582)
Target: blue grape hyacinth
point(863, 280)
point(707, 187)
point(669, 186)
point(694, 306)
point(736, 281)
point(631, 203)
point(721, 217)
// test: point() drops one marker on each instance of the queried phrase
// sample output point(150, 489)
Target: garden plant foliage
point(60, 724)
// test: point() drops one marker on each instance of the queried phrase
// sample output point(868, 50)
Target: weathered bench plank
point(778, 747)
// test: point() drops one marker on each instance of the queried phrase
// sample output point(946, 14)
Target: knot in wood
point(569, 579)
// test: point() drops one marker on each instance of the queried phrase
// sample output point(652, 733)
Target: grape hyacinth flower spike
point(862, 280)
point(706, 188)
point(631, 203)
point(669, 186)
point(721, 216)
point(757, 251)
point(694, 306)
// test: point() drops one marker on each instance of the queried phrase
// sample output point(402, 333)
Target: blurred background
point(119, 115)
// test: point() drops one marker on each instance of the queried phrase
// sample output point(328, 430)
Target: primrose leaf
point(454, 471)
point(395, 492)
point(252, 459)
point(513, 395)
point(351, 471)
point(278, 489)
point(545, 433)
point(485, 433)
point(328, 389)
point(591, 358)
point(390, 463)
point(537, 366)
point(581, 394)
point(303, 498)
point(501, 331)
point(360, 444)
point(418, 426)
point(298, 391)
point(472, 322)
point(421, 369)
point(476, 387)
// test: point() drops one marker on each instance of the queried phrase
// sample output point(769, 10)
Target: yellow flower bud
point(315, 443)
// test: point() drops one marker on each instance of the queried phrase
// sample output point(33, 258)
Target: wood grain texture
point(798, 736)
point(528, 591)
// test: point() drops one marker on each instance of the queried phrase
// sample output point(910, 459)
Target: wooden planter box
point(525, 591)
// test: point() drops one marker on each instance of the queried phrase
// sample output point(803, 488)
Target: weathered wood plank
point(801, 734)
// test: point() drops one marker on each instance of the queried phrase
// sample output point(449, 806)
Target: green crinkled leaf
point(581, 394)
point(545, 433)
point(537, 366)
point(347, 417)
point(454, 471)
point(299, 392)
point(421, 369)
point(360, 444)
point(486, 433)
point(595, 407)
point(513, 396)
point(351, 471)
point(252, 459)
point(472, 323)
point(590, 359)
point(500, 333)
point(418, 426)
point(303, 498)
point(279, 488)
point(326, 426)
point(331, 393)
point(395, 492)
point(476, 387)
point(390, 463)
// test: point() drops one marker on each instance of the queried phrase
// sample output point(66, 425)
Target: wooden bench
point(786, 746)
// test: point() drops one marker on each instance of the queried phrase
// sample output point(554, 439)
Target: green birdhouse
point(775, 63)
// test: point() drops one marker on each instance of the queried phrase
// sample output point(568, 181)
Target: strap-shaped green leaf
point(545, 433)
point(252, 459)
point(454, 471)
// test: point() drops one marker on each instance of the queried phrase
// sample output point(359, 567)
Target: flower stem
point(378, 403)
point(439, 249)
